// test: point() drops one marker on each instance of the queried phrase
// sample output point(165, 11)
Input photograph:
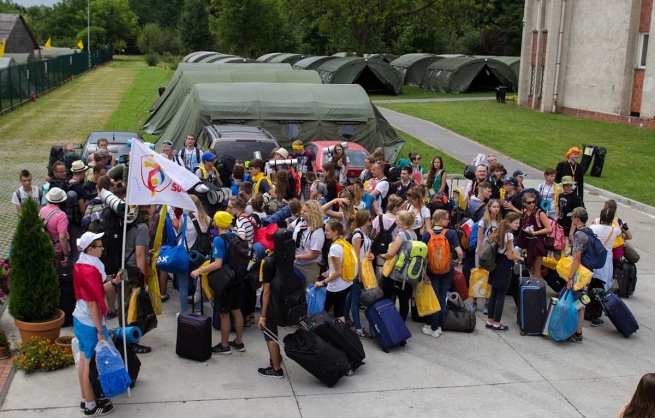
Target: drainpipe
point(559, 54)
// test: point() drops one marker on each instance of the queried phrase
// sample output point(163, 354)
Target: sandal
point(501, 328)
point(141, 349)
point(113, 314)
point(489, 326)
point(164, 298)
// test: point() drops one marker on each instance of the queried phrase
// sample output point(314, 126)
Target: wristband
point(261, 318)
point(101, 333)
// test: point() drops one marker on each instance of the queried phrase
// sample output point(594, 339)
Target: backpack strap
point(47, 219)
point(20, 201)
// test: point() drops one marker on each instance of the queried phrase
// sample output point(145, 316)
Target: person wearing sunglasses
point(417, 170)
point(535, 226)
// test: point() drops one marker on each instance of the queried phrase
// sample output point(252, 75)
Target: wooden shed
point(20, 39)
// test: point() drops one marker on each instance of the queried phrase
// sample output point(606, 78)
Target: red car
point(355, 152)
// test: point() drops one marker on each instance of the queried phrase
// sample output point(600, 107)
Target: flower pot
point(65, 342)
point(49, 330)
point(4, 353)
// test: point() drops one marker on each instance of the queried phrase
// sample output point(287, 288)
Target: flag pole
point(88, 34)
point(123, 275)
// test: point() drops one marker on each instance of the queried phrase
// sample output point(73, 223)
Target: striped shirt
point(244, 227)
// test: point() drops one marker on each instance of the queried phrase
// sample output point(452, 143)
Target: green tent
point(413, 67)
point(514, 64)
point(213, 58)
point(288, 58)
point(192, 56)
point(373, 75)
point(235, 60)
point(268, 57)
point(309, 112)
point(343, 54)
point(13, 81)
point(311, 63)
point(186, 66)
point(461, 74)
point(386, 57)
point(159, 120)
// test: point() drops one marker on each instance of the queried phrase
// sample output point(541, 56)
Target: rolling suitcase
point(67, 299)
point(532, 305)
point(387, 325)
point(335, 332)
point(620, 315)
point(194, 336)
point(625, 274)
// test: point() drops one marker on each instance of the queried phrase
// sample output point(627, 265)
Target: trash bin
point(161, 90)
point(501, 92)
point(599, 161)
point(587, 156)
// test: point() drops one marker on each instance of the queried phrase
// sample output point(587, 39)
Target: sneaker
point(239, 347)
point(575, 338)
point(474, 306)
point(99, 410)
point(219, 349)
point(363, 334)
point(435, 333)
point(440, 331)
point(101, 402)
point(113, 314)
point(427, 329)
point(597, 322)
point(485, 311)
point(270, 372)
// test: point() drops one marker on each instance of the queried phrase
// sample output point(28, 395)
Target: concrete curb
point(632, 204)
point(434, 100)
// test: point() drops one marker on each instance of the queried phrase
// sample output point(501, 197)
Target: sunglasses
point(530, 202)
point(167, 143)
point(417, 159)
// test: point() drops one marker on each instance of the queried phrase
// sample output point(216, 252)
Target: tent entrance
point(371, 83)
point(485, 80)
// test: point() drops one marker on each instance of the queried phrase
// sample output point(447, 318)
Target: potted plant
point(34, 281)
point(65, 342)
point(5, 347)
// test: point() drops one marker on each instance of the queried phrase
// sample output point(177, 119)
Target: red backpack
point(438, 252)
point(556, 240)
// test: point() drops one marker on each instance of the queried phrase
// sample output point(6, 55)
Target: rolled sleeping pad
point(456, 300)
point(196, 258)
point(133, 334)
point(278, 217)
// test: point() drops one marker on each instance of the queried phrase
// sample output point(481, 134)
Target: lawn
point(542, 139)
point(415, 92)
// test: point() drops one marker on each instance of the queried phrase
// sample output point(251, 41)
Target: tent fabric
point(57, 52)
point(457, 75)
point(386, 57)
point(212, 58)
point(288, 58)
point(13, 79)
point(159, 120)
point(413, 67)
point(373, 75)
point(187, 66)
point(343, 54)
point(22, 58)
point(309, 112)
point(234, 60)
point(514, 64)
point(268, 57)
point(311, 63)
point(195, 53)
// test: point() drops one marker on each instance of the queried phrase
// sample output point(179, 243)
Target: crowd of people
point(376, 214)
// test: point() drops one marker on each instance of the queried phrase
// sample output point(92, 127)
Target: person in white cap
point(55, 222)
point(89, 315)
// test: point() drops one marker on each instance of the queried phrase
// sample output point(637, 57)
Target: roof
point(214, 57)
point(193, 54)
point(409, 59)
point(8, 22)
point(454, 64)
point(234, 60)
point(290, 58)
point(311, 63)
point(384, 56)
point(268, 57)
point(22, 58)
point(7, 62)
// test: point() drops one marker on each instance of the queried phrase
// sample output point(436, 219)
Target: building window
point(532, 77)
point(642, 51)
point(537, 16)
point(541, 85)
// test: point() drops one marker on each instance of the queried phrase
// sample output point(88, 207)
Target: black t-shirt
point(400, 190)
point(566, 203)
point(77, 188)
point(515, 200)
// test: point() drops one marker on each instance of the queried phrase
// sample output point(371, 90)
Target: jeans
point(352, 304)
point(183, 280)
point(440, 288)
point(496, 304)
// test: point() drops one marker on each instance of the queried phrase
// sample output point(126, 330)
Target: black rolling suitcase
point(532, 305)
point(194, 336)
point(625, 274)
point(335, 332)
point(66, 293)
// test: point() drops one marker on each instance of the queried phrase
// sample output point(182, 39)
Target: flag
point(2, 47)
point(154, 179)
point(80, 45)
point(47, 45)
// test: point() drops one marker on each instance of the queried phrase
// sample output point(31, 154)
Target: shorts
point(227, 301)
point(87, 337)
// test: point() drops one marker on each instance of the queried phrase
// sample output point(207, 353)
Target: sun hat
point(568, 180)
point(78, 166)
point(284, 153)
point(222, 219)
point(573, 150)
point(56, 195)
point(519, 173)
point(87, 239)
point(266, 236)
point(579, 212)
point(208, 156)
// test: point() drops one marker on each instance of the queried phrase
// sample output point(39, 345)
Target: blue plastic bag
point(315, 299)
point(114, 379)
point(564, 321)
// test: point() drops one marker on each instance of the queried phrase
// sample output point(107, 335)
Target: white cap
point(87, 239)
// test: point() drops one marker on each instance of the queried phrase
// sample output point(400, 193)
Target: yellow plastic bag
point(426, 300)
point(368, 275)
point(549, 262)
point(205, 283)
point(131, 308)
point(389, 265)
point(582, 275)
point(478, 286)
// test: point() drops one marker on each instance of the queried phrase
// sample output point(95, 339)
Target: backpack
point(463, 231)
point(383, 239)
point(383, 201)
point(112, 226)
point(92, 214)
point(70, 158)
point(224, 165)
point(595, 256)
point(203, 243)
point(56, 154)
point(60, 183)
point(349, 265)
point(238, 255)
point(39, 196)
point(473, 239)
point(556, 239)
point(412, 261)
point(46, 220)
point(293, 184)
point(438, 252)
point(487, 259)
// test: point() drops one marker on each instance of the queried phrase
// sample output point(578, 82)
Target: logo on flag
point(152, 176)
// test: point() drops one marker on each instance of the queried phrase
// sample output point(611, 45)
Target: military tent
point(386, 57)
point(514, 64)
point(235, 60)
point(461, 74)
point(159, 120)
point(22, 58)
point(309, 112)
point(195, 54)
point(373, 75)
point(14, 84)
point(213, 58)
point(288, 58)
point(343, 54)
point(186, 66)
point(55, 52)
point(268, 57)
point(413, 67)
point(311, 63)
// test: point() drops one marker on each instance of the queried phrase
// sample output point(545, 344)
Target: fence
point(18, 82)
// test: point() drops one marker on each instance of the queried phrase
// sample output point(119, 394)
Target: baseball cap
point(519, 173)
point(87, 239)
point(579, 212)
point(208, 156)
point(514, 182)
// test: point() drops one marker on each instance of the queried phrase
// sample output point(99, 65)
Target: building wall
point(648, 93)
point(19, 41)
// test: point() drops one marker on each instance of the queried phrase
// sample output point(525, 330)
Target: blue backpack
point(473, 239)
point(595, 256)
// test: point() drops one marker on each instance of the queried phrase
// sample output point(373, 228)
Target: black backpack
point(383, 201)
point(239, 255)
point(204, 240)
point(60, 183)
point(383, 239)
point(112, 226)
point(224, 165)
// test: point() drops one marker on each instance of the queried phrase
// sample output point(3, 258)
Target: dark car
point(239, 141)
point(117, 143)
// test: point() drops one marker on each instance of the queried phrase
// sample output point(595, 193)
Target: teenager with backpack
point(486, 226)
point(197, 238)
point(309, 237)
point(26, 191)
point(441, 269)
point(535, 226)
point(362, 245)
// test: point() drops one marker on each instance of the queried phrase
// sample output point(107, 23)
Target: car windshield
point(243, 149)
point(356, 157)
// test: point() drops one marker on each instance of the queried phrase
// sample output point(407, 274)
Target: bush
point(172, 61)
point(152, 59)
point(34, 280)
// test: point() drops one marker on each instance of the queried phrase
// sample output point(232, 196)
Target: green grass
point(427, 153)
point(542, 139)
point(415, 92)
point(132, 110)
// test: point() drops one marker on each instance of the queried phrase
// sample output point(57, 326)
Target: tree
point(194, 26)
point(164, 12)
point(154, 39)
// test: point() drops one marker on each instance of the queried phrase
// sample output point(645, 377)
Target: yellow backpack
point(349, 265)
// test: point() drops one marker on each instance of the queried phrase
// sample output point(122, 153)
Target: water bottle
point(582, 302)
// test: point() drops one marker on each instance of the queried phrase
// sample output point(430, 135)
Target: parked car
point(117, 143)
point(355, 152)
point(239, 141)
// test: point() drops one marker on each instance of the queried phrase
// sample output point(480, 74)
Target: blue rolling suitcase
point(532, 305)
point(617, 311)
point(387, 325)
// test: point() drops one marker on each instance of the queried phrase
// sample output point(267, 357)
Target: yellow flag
point(80, 45)
point(2, 47)
point(47, 45)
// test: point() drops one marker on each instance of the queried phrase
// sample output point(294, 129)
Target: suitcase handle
point(273, 337)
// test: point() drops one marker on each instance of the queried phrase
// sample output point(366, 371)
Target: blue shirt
point(220, 247)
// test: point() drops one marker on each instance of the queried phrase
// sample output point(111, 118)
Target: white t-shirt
point(338, 284)
point(309, 241)
point(343, 174)
point(606, 234)
point(37, 196)
point(548, 193)
point(508, 237)
point(365, 244)
point(191, 233)
point(420, 216)
point(382, 187)
point(386, 223)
